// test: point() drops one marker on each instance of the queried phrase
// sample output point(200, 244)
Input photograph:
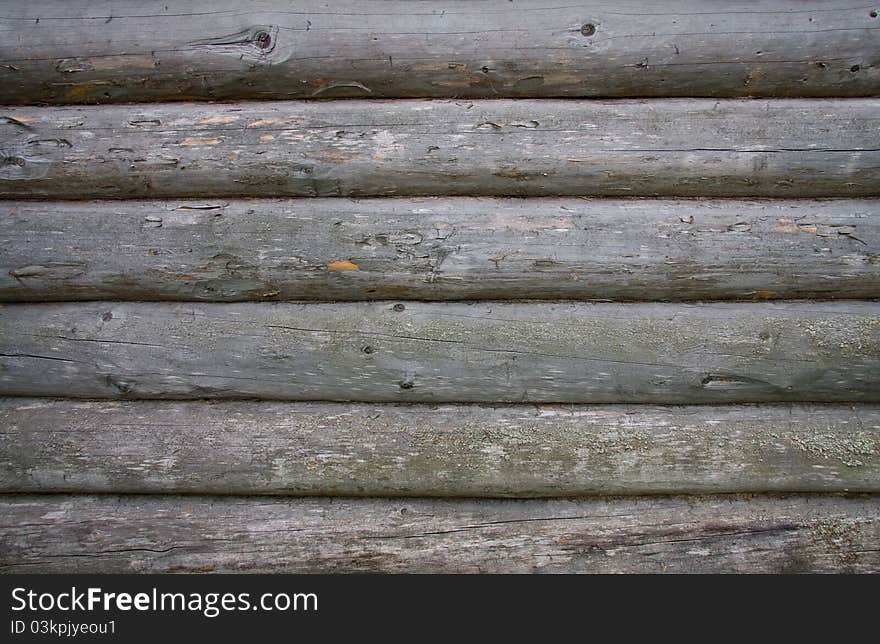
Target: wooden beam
point(439, 249)
point(434, 451)
point(445, 352)
point(142, 533)
point(687, 148)
point(78, 51)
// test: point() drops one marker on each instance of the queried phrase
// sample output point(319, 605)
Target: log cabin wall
point(440, 286)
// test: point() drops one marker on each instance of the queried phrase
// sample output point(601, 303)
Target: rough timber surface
point(434, 451)
point(439, 249)
point(796, 148)
point(103, 534)
point(445, 352)
point(64, 51)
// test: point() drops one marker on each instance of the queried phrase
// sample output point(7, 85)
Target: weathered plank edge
point(434, 450)
point(792, 148)
point(491, 352)
point(457, 248)
point(726, 533)
point(351, 49)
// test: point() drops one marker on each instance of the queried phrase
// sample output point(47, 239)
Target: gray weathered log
point(737, 148)
point(426, 450)
point(445, 352)
point(85, 52)
point(103, 534)
point(439, 249)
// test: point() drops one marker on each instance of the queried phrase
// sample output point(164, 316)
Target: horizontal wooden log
point(445, 352)
point(439, 249)
point(114, 534)
point(80, 51)
point(793, 148)
point(434, 451)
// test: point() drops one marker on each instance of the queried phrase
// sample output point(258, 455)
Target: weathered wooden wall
point(439, 249)
point(65, 51)
point(677, 148)
point(168, 405)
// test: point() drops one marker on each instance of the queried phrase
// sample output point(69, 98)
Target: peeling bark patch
point(788, 226)
point(342, 85)
point(794, 229)
point(713, 381)
point(342, 265)
point(528, 84)
point(57, 271)
point(21, 121)
point(142, 165)
point(216, 120)
point(200, 142)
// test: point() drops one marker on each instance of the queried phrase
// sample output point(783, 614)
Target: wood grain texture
point(795, 148)
point(73, 51)
point(445, 352)
point(439, 249)
point(434, 451)
point(67, 534)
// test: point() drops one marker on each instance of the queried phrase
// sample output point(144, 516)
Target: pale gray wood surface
point(78, 51)
point(678, 147)
point(66, 534)
point(441, 352)
point(434, 451)
point(439, 249)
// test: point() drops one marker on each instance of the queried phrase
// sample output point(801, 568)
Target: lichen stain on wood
point(86, 92)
